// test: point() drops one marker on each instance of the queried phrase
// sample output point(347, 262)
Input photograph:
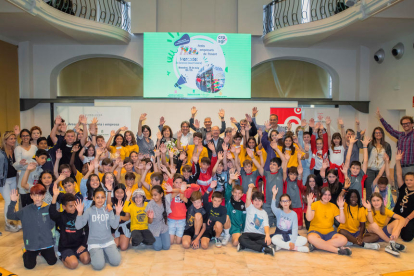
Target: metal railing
point(283, 13)
point(111, 12)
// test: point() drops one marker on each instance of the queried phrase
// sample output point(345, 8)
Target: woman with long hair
point(376, 151)
point(8, 174)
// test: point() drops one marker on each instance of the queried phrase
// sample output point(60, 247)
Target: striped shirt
point(405, 143)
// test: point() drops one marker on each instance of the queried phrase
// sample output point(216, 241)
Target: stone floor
point(215, 261)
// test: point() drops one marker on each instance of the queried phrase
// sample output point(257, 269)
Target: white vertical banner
point(315, 113)
point(109, 118)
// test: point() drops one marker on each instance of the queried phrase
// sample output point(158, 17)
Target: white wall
point(391, 85)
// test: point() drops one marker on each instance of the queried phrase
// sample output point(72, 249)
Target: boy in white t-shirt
point(256, 234)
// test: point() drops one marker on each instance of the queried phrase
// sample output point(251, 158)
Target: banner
point(109, 118)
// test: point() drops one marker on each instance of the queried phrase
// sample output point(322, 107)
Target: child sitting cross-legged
point(37, 227)
point(72, 242)
point(195, 222)
point(286, 235)
point(256, 234)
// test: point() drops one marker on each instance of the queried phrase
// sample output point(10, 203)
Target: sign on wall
point(109, 118)
point(315, 113)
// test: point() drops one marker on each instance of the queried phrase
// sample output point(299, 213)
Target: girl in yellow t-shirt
point(321, 215)
point(354, 227)
point(378, 226)
point(289, 147)
point(131, 142)
point(252, 144)
point(117, 149)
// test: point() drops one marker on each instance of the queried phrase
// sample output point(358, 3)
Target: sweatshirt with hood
point(70, 237)
point(100, 222)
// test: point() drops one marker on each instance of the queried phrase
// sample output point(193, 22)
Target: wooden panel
point(9, 87)
point(143, 16)
point(101, 77)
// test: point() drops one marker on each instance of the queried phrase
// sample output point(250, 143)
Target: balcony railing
point(111, 12)
point(283, 13)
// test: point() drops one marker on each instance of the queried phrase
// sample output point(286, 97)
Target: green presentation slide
point(197, 65)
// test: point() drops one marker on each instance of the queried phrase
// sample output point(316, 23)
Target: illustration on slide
point(210, 78)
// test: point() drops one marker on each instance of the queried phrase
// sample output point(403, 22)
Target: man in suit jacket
point(215, 139)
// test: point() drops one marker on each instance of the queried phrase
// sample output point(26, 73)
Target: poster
point(286, 115)
point(109, 118)
point(197, 65)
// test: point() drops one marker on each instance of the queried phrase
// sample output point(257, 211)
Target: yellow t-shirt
point(131, 149)
point(352, 222)
point(324, 217)
point(257, 157)
point(119, 151)
point(139, 219)
point(190, 149)
point(380, 220)
point(293, 161)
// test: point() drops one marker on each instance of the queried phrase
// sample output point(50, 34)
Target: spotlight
point(398, 50)
point(379, 56)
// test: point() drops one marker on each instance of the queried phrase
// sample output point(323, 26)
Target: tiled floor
point(215, 261)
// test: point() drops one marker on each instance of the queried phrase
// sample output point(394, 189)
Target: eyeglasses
point(406, 124)
point(285, 201)
point(25, 136)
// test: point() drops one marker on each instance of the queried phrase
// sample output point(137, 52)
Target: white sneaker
point(303, 249)
point(277, 248)
point(374, 246)
point(11, 228)
point(225, 239)
point(218, 242)
point(349, 244)
point(392, 251)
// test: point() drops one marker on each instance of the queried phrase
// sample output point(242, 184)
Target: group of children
point(84, 199)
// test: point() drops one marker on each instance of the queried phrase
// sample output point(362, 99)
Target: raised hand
point(247, 127)
point(171, 153)
point(366, 204)
point(179, 134)
point(249, 118)
point(356, 121)
point(94, 121)
point(197, 124)
point(220, 156)
point(113, 133)
point(328, 120)
point(340, 122)
point(287, 156)
point(14, 195)
point(233, 131)
point(309, 198)
point(366, 141)
point(307, 147)
point(193, 111)
point(275, 190)
point(289, 125)
point(303, 123)
point(234, 176)
point(378, 113)
point(353, 139)
point(312, 123)
point(213, 184)
point(224, 146)
point(325, 164)
point(251, 186)
point(16, 130)
point(79, 207)
point(320, 118)
point(119, 207)
point(91, 167)
point(162, 121)
point(229, 156)
point(143, 117)
point(83, 120)
point(233, 121)
point(128, 193)
point(250, 152)
point(61, 178)
point(56, 190)
point(340, 202)
point(148, 166)
point(399, 156)
point(195, 159)
point(347, 183)
point(182, 156)
point(221, 113)
point(58, 120)
point(150, 214)
point(173, 170)
point(344, 170)
point(259, 152)
point(183, 187)
point(31, 166)
point(273, 145)
point(254, 111)
point(260, 132)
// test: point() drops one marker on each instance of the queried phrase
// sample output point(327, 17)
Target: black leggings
point(29, 257)
point(142, 236)
point(407, 233)
point(253, 241)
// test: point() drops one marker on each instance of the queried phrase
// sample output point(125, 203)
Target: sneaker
point(349, 244)
point(225, 239)
point(374, 246)
point(344, 251)
point(311, 247)
point(391, 250)
point(277, 248)
point(240, 247)
point(269, 250)
point(11, 228)
point(400, 247)
point(303, 249)
point(218, 242)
